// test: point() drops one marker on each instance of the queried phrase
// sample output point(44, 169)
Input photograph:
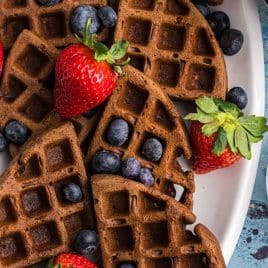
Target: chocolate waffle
point(35, 222)
point(27, 87)
point(149, 113)
point(172, 43)
point(52, 23)
point(142, 226)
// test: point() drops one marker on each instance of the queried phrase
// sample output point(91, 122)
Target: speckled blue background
point(252, 248)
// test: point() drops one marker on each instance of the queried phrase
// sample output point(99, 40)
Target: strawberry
point(70, 260)
point(1, 58)
point(86, 74)
point(221, 135)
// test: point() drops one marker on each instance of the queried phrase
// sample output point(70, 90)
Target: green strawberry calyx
point(230, 124)
point(112, 56)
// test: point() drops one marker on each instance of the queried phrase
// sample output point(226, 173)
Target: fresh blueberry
point(218, 21)
point(16, 132)
point(127, 265)
point(80, 17)
point(86, 242)
point(231, 41)
point(48, 2)
point(118, 132)
point(108, 16)
point(3, 143)
point(202, 7)
point(131, 168)
point(146, 177)
point(238, 96)
point(152, 149)
point(72, 192)
point(105, 162)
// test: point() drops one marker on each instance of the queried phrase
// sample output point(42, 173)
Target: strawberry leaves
point(226, 119)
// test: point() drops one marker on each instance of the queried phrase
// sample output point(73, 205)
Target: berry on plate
point(86, 74)
point(16, 132)
point(202, 7)
point(118, 132)
point(131, 168)
point(72, 192)
point(152, 149)
point(218, 21)
point(1, 58)
point(70, 260)
point(221, 135)
point(3, 143)
point(146, 177)
point(238, 96)
point(108, 16)
point(86, 242)
point(231, 41)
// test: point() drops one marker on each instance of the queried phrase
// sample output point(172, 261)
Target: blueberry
point(118, 132)
point(231, 41)
point(218, 21)
point(72, 192)
point(16, 132)
point(48, 2)
point(146, 177)
point(108, 16)
point(238, 96)
point(131, 168)
point(86, 242)
point(81, 15)
point(202, 7)
point(127, 265)
point(152, 149)
point(3, 143)
point(105, 162)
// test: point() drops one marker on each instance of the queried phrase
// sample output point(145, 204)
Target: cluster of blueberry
point(110, 163)
point(230, 40)
point(14, 132)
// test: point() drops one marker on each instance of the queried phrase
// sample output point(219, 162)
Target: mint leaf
point(242, 142)
point(228, 107)
point(210, 128)
point(220, 142)
point(119, 49)
point(207, 105)
point(230, 135)
point(256, 125)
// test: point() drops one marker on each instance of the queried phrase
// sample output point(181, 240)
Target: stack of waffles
point(175, 56)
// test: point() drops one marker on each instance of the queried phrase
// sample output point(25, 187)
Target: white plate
point(222, 197)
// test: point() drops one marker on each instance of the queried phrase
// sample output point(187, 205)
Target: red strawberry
point(204, 158)
point(1, 58)
point(85, 74)
point(70, 260)
point(220, 135)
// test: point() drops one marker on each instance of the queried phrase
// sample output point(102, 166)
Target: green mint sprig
point(233, 129)
point(112, 56)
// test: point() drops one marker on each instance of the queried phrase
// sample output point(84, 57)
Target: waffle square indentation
point(155, 235)
point(59, 155)
point(202, 45)
point(30, 169)
point(159, 262)
point(45, 236)
point(35, 201)
point(137, 61)
point(116, 204)
point(120, 239)
point(152, 204)
point(53, 25)
point(144, 4)
point(36, 108)
point(16, 87)
point(7, 212)
point(167, 73)
point(137, 31)
point(133, 98)
point(201, 77)
point(162, 117)
point(32, 61)
point(171, 37)
point(15, 3)
point(12, 249)
point(177, 7)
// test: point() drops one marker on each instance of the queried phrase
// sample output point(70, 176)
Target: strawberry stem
point(112, 55)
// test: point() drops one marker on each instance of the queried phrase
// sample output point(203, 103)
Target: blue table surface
point(252, 248)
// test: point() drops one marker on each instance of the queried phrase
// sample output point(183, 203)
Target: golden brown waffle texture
point(35, 223)
point(27, 88)
point(149, 113)
point(140, 225)
point(51, 23)
point(172, 43)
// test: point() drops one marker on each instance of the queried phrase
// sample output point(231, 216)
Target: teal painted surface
point(252, 248)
